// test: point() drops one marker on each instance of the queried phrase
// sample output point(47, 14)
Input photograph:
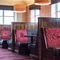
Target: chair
point(52, 40)
point(21, 44)
point(0, 34)
point(22, 40)
point(5, 36)
point(48, 38)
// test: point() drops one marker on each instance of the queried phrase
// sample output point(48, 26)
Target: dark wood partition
point(43, 52)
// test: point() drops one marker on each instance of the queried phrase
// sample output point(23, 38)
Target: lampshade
point(20, 8)
point(42, 2)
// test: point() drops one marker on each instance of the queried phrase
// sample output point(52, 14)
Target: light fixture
point(42, 2)
point(19, 8)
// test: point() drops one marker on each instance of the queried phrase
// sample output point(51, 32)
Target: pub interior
point(30, 30)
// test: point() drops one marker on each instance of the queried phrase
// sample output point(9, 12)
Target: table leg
point(32, 40)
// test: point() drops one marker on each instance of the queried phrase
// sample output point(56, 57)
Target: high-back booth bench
point(48, 39)
point(21, 36)
point(5, 37)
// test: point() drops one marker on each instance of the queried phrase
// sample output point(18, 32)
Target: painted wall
point(21, 17)
point(45, 11)
point(24, 17)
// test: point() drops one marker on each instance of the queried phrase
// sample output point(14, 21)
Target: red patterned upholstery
point(53, 37)
point(6, 34)
point(20, 36)
point(0, 34)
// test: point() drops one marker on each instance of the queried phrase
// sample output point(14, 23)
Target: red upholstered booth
point(0, 34)
point(48, 38)
point(20, 39)
point(5, 34)
point(20, 36)
point(52, 37)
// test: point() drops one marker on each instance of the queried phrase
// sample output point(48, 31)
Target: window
point(34, 15)
point(55, 10)
point(7, 16)
point(1, 16)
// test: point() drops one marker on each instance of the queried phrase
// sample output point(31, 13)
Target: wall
point(21, 17)
point(45, 11)
point(24, 17)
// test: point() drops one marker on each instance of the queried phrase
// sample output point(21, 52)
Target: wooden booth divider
point(48, 38)
point(21, 36)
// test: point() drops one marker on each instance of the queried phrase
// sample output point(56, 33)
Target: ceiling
point(13, 2)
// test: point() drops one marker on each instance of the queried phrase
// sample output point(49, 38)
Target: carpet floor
point(8, 55)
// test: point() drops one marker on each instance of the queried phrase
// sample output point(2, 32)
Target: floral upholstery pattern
point(20, 36)
point(53, 37)
point(6, 34)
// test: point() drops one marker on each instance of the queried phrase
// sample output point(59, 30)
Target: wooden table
point(31, 37)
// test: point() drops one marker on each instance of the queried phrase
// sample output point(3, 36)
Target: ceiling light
point(42, 2)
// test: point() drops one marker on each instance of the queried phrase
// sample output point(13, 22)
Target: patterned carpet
point(8, 55)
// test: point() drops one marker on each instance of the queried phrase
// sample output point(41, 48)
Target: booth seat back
point(20, 36)
point(52, 37)
point(0, 34)
point(6, 34)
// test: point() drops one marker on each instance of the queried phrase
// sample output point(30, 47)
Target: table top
point(30, 35)
point(6, 34)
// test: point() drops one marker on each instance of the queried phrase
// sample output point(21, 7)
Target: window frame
point(35, 15)
point(56, 12)
point(7, 16)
